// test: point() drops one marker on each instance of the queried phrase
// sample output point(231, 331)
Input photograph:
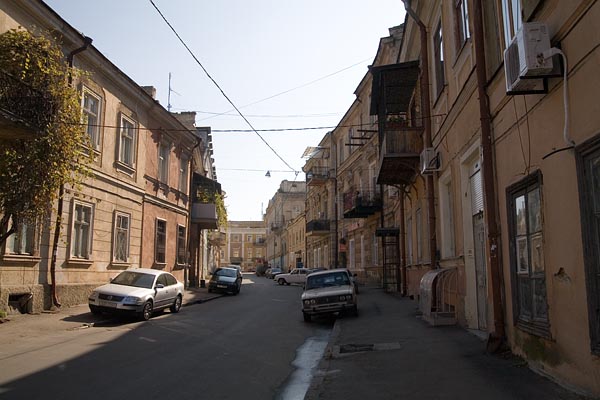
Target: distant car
point(138, 291)
point(236, 267)
point(225, 279)
point(327, 292)
point(272, 272)
point(298, 275)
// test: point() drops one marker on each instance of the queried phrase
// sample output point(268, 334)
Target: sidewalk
point(21, 326)
point(389, 352)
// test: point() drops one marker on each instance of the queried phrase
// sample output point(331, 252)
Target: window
point(409, 241)
point(181, 239)
point(183, 174)
point(249, 238)
point(511, 18)
point(258, 253)
point(249, 254)
point(446, 217)
point(127, 141)
point(22, 241)
point(461, 13)
point(163, 162)
point(375, 251)
point(91, 107)
point(588, 165)
point(121, 239)
point(81, 231)
point(527, 256)
point(438, 49)
point(160, 242)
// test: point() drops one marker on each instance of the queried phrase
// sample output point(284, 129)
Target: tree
point(33, 170)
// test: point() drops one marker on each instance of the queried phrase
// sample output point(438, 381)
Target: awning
point(393, 87)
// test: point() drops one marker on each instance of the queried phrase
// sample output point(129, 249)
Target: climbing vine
point(36, 89)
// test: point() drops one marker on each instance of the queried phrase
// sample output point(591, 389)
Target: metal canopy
point(393, 87)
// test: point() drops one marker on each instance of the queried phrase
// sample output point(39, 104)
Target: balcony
point(318, 227)
point(260, 242)
point(24, 111)
point(361, 204)
point(399, 154)
point(276, 226)
point(205, 215)
point(317, 176)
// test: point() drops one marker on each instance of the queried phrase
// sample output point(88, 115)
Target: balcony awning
point(393, 87)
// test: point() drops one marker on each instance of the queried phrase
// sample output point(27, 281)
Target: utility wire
point(292, 89)
point(219, 87)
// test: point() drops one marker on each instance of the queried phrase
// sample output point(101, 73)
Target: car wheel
point(307, 317)
point(95, 310)
point(354, 311)
point(146, 311)
point(281, 281)
point(176, 305)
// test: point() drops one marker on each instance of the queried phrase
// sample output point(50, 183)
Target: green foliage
point(32, 170)
point(209, 196)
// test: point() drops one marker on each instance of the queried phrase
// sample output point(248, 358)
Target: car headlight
point(93, 295)
point(346, 297)
point(132, 300)
point(310, 302)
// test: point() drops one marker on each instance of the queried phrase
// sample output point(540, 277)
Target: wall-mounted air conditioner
point(430, 161)
point(524, 64)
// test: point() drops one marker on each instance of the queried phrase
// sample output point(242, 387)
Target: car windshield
point(226, 272)
point(325, 280)
point(136, 279)
point(276, 270)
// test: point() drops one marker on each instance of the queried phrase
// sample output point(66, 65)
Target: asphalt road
point(251, 346)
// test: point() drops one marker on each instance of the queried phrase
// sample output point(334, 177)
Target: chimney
point(187, 118)
point(150, 90)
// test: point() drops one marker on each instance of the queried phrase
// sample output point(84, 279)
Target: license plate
point(105, 303)
point(222, 286)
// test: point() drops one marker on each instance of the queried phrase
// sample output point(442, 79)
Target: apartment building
point(134, 209)
point(245, 244)
point(502, 219)
point(285, 205)
point(296, 242)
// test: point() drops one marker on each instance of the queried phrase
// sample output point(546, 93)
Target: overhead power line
point(292, 89)
point(219, 87)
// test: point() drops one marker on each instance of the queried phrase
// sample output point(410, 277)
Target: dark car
point(273, 272)
point(226, 280)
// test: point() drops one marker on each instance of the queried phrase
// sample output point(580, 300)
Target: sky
point(284, 64)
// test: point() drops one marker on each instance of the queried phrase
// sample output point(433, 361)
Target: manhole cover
point(353, 348)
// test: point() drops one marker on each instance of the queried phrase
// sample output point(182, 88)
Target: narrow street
point(233, 347)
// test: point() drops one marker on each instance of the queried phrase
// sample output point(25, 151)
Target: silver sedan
point(139, 291)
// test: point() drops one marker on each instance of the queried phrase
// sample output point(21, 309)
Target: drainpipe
point(61, 190)
point(403, 242)
point(497, 335)
point(426, 111)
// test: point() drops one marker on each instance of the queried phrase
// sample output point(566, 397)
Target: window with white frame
point(81, 230)
point(249, 254)
point(375, 251)
point(511, 19)
point(91, 107)
point(127, 139)
point(249, 238)
point(163, 162)
point(183, 174)
point(160, 246)
point(181, 248)
point(438, 57)
point(461, 14)
point(22, 241)
point(446, 217)
point(121, 239)
point(258, 253)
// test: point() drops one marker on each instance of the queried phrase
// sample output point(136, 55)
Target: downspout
point(192, 245)
point(426, 111)
point(497, 335)
point(403, 242)
point(335, 201)
point(61, 190)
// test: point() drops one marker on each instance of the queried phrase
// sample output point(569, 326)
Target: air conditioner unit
point(524, 65)
point(430, 161)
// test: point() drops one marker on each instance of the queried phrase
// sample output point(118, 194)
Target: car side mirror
point(355, 275)
point(159, 286)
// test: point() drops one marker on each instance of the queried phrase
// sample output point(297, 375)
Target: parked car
point(138, 291)
point(298, 275)
point(272, 272)
point(327, 292)
point(227, 280)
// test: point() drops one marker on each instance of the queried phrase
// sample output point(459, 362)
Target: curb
point(321, 370)
point(200, 301)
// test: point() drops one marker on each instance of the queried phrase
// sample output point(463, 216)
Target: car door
point(161, 296)
point(172, 286)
